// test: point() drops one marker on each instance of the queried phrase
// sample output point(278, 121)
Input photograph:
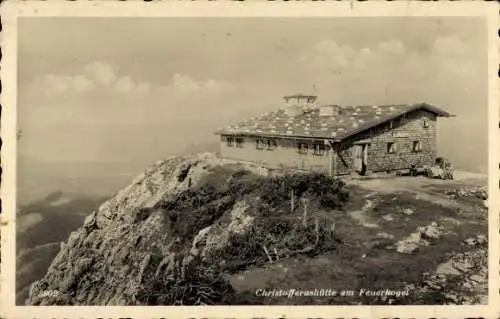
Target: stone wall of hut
point(404, 132)
point(418, 126)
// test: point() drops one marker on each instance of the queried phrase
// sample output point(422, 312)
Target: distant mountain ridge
point(41, 226)
point(36, 179)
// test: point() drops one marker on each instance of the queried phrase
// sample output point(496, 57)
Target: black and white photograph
point(250, 160)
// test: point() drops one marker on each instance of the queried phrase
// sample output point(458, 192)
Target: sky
point(135, 90)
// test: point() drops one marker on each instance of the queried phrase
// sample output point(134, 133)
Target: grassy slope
point(381, 268)
point(362, 259)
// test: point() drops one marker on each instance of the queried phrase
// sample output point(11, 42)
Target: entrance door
point(357, 154)
point(360, 157)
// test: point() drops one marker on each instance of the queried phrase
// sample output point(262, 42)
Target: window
point(230, 141)
point(239, 142)
point(303, 148)
point(260, 144)
point(271, 145)
point(319, 149)
point(425, 123)
point(391, 148)
point(417, 146)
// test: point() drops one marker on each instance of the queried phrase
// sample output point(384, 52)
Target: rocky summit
point(104, 262)
point(179, 211)
point(201, 230)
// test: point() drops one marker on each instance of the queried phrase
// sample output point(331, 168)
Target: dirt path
point(422, 187)
point(391, 183)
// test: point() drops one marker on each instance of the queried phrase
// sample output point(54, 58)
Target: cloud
point(101, 73)
point(100, 91)
point(454, 56)
point(95, 76)
point(392, 47)
point(391, 65)
point(96, 112)
point(126, 85)
point(51, 84)
point(185, 84)
point(451, 46)
point(82, 84)
point(328, 54)
point(103, 77)
point(331, 55)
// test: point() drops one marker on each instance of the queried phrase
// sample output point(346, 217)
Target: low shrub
point(328, 191)
point(196, 208)
point(272, 230)
point(205, 286)
point(281, 237)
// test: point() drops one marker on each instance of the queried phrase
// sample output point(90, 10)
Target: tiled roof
point(310, 124)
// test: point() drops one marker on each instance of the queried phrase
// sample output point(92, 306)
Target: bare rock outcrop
point(103, 262)
point(461, 279)
point(422, 237)
point(480, 192)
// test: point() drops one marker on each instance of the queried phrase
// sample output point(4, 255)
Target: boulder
point(385, 235)
point(419, 238)
point(431, 231)
point(408, 211)
point(388, 217)
point(410, 244)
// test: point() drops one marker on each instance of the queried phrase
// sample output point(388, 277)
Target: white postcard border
point(11, 11)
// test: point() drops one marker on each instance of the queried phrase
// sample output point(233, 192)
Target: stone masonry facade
point(284, 154)
point(413, 138)
point(415, 127)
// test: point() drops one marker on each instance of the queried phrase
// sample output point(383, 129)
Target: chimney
point(298, 103)
point(329, 110)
